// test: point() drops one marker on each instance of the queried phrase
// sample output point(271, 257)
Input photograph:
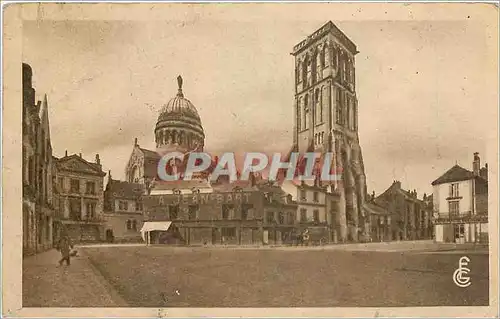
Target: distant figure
point(64, 246)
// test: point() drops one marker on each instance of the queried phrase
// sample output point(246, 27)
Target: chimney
point(97, 160)
point(476, 164)
point(484, 171)
point(65, 153)
point(136, 143)
point(80, 155)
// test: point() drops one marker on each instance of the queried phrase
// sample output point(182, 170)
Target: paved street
point(281, 277)
point(45, 284)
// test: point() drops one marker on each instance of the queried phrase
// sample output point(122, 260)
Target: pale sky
point(427, 90)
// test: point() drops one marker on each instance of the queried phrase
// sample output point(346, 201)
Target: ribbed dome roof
point(178, 105)
point(179, 114)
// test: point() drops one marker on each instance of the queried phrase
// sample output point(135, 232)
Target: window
point(270, 217)
point(316, 216)
point(123, 205)
point(90, 188)
point(129, 224)
point(60, 182)
point(31, 170)
point(75, 209)
point(245, 209)
point(316, 197)
point(454, 190)
point(303, 195)
point(61, 206)
point(306, 111)
point(228, 232)
point(454, 208)
point(348, 107)
point(90, 210)
point(173, 211)
point(47, 228)
point(138, 205)
point(281, 218)
point(338, 106)
point(134, 225)
point(227, 210)
point(303, 215)
point(193, 212)
point(75, 186)
point(299, 118)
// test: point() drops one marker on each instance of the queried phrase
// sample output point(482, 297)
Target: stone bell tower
point(326, 116)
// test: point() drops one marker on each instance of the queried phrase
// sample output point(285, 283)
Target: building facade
point(460, 200)
point(80, 198)
point(326, 115)
point(37, 170)
point(123, 210)
point(241, 216)
point(410, 217)
point(318, 211)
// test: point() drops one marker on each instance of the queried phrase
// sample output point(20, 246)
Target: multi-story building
point(410, 217)
point(123, 210)
point(460, 201)
point(230, 214)
point(37, 170)
point(326, 115)
point(380, 221)
point(317, 211)
point(80, 198)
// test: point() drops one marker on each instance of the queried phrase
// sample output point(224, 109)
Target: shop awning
point(152, 226)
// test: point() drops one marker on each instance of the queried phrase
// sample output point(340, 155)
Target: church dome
point(179, 125)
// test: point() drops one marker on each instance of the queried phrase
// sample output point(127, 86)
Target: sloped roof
point(454, 174)
point(149, 153)
point(375, 209)
point(124, 189)
point(75, 162)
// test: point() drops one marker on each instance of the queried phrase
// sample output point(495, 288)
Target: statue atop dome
point(178, 127)
point(179, 82)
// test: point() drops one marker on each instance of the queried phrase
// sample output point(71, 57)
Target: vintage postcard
point(250, 159)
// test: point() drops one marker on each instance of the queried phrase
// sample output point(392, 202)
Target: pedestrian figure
point(64, 247)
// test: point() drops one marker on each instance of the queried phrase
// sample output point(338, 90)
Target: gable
point(136, 158)
point(454, 174)
point(76, 164)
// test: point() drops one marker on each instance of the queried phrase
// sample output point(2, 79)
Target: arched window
point(326, 54)
point(338, 106)
point(299, 119)
point(134, 225)
point(348, 107)
point(159, 138)
point(335, 57)
point(355, 114)
point(314, 67)
point(129, 224)
point(166, 137)
point(317, 108)
point(306, 110)
point(322, 57)
point(298, 72)
point(306, 71)
point(344, 67)
point(174, 137)
point(324, 101)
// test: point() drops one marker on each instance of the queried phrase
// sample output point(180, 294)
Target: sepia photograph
point(228, 155)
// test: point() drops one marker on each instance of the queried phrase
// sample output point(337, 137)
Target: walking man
point(64, 247)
